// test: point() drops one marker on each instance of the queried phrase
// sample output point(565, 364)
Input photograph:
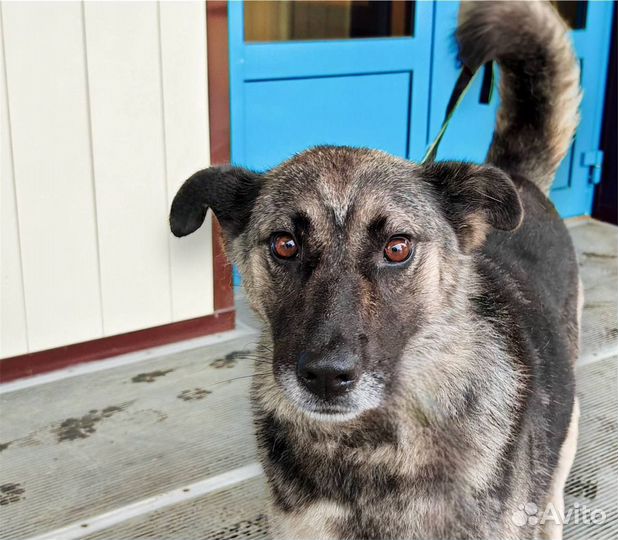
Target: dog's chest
point(370, 484)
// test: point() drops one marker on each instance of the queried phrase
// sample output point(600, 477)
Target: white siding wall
point(104, 114)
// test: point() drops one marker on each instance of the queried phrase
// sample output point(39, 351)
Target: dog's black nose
point(330, 376)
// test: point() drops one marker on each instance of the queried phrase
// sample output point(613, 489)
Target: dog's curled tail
point(539, 88)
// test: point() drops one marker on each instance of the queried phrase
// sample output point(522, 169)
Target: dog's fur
point(466, 351)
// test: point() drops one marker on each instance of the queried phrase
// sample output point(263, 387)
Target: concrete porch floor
point(160, 445)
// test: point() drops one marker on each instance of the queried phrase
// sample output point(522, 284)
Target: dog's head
point(347, 254)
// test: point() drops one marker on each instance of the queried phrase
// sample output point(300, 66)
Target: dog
point(415, 375)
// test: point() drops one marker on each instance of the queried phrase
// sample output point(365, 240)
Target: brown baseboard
point(44, 361)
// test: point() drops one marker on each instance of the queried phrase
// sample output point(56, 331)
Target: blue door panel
point(363, 110)
point(348, 92)
point(289, 95)
point(592, 46)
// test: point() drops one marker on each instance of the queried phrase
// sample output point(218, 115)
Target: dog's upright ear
point(474, 198)
point(229, 191)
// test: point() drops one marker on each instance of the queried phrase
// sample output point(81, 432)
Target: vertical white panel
point(13, 337)
point(50, 134)
point(183, 62)
point(122, 43)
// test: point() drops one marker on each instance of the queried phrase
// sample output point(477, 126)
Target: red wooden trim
point(219, 119)
point(218, 81)
point(45, 361)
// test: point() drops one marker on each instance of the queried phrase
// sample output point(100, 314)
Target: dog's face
point(348, 254)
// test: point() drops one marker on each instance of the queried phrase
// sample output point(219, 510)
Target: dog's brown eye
point(397, 249)
point(284, 246)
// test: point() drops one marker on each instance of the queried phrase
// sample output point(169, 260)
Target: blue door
point(469, 132)
point(331, 72)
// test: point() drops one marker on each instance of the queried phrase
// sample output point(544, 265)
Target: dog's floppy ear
point(475, 198)
point(229, 191)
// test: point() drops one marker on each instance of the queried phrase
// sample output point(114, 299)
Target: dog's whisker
point(242, 377)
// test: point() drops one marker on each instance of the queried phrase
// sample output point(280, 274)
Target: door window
point(574, 13)
point(298, 20)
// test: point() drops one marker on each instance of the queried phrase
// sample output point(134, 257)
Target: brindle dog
point(421, 321)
